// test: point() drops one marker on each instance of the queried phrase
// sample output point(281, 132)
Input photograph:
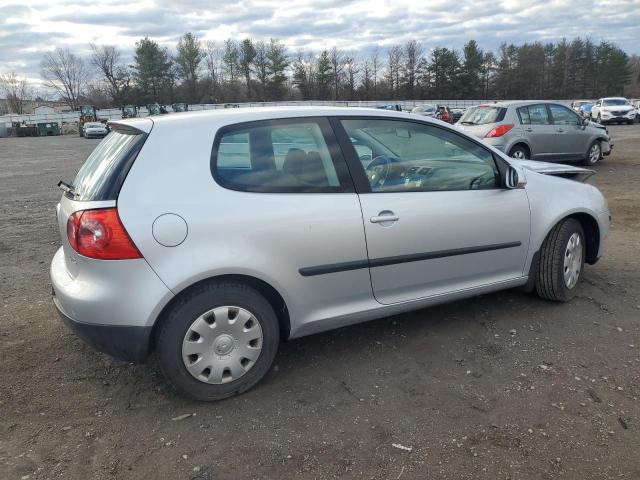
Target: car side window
point(409, 156)
point(538, 115)
point(523, 114)
point(563, 116)
point(279, 156)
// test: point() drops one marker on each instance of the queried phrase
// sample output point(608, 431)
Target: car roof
point(229, 116)
point(517, 103)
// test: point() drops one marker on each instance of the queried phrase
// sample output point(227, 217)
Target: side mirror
point(514, 179)
point(585, 121)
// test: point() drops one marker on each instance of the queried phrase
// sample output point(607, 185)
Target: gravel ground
point(503, 386)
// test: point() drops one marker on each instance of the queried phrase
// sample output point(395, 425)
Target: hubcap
point(572, 260)
point(594, 153)
point(519, 154)
point(222, 344)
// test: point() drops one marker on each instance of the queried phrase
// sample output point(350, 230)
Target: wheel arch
point(591, 231)
point(268, 291)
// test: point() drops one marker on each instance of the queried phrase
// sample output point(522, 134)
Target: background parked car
point(426, 110)
point(95, 130)
point(613, 109)
point(576, 104)
point(585, 110)
point(444, 114)
point(538, 130)
point(457, 113)
point(636, 105)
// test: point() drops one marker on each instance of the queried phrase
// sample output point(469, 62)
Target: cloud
point(30, 27)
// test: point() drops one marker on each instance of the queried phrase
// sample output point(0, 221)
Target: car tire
point(187, 315)
point(519, 152)
point(594, 153)
point(561, 264)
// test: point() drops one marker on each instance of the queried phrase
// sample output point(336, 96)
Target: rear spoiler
point(132, 126)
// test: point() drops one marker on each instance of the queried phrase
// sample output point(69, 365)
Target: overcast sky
point(30, 27)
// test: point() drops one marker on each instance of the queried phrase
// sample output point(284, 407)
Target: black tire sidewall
point(191, 306)
point(569, 227)
point(518, 148)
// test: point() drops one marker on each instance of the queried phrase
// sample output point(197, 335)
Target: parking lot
point(503, 386)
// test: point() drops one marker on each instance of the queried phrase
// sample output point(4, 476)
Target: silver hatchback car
point(538, 131)
point(209, 237)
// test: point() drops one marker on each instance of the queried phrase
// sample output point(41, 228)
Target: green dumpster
point(48, 129)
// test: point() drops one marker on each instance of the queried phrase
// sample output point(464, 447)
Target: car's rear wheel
point(217, 340)
point(594, 154)
point(519, 152)
point(561, 261)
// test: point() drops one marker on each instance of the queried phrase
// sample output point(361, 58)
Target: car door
point(572, 141)
point(539, 131)
point(436, 218)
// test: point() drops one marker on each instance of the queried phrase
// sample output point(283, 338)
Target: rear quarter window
point(104, 171)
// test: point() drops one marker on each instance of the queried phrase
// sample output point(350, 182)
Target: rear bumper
point(111, 304)
point(122, 342)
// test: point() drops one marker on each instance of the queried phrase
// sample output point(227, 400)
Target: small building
point(43, 109)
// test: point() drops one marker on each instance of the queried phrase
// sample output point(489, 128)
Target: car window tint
point(277, 157)
point(523, 114)
point(408, 156)
point(562, 115)
point(538, 115)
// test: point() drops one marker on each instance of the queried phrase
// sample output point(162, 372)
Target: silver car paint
point(270, 236)
point(545, 142)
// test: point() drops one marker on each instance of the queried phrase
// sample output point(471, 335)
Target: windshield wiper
point(67, 188)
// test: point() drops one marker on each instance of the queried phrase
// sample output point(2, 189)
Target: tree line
point(247, 70)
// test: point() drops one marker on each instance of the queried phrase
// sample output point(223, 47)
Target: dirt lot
point(504, 386)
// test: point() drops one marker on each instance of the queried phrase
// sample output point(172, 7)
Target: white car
point(613, 109)
point(95, 130)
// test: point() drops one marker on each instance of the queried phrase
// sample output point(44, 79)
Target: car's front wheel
point(594, 154)
point(561, 261)
point(217, 340)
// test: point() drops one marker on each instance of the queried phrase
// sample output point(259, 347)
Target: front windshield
point(614, 101)
point(482, 115)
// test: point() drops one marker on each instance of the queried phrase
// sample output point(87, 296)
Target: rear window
point(104, 171)
point(482, 115)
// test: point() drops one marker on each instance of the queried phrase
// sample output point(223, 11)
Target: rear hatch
point(98, 182)
point(481, 119)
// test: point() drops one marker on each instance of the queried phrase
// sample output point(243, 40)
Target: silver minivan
point(206, 238)
point(538, 131)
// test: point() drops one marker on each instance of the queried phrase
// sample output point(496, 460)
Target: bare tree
point(117, 76)
point(393, 69)
point(336, 58)
point(15, 90)
point(353, 69)
point(213, 58)
point(375, 68)
point(65, 73)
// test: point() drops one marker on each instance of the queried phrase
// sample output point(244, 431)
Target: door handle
point(529, 129)
point(560, 130)
point(384, 217)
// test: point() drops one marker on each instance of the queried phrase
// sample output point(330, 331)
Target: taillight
point(499, 130)
point(100, 234)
